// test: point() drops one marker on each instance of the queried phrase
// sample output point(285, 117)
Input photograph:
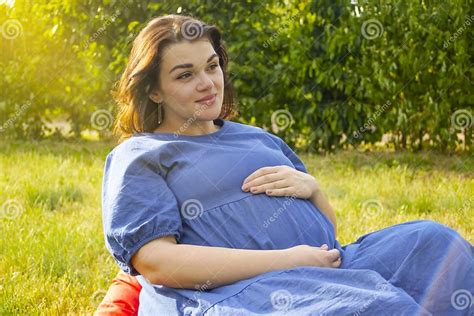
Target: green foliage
point(341, 79)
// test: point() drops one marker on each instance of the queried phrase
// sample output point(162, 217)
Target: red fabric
point(121, 298)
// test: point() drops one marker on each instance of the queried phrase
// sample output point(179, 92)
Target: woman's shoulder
point(246, 130)
point(135, 147)
point(243, 127)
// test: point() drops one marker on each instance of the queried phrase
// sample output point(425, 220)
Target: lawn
point(52, 253)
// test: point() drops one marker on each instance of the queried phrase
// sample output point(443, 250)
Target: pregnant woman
point(215, 217)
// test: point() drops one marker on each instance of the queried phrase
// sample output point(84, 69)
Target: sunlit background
point(323, 74)
point(377, 99)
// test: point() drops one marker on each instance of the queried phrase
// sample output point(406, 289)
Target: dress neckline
point(219, 122)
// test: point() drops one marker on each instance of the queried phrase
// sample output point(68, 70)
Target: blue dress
point(190, 187)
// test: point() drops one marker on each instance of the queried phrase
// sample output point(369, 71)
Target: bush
point(323, 75)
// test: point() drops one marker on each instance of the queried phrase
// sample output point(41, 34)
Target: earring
point(160, 113)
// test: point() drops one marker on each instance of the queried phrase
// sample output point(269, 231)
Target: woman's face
point(189, 72)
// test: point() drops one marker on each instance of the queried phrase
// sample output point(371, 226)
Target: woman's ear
point(155, 96)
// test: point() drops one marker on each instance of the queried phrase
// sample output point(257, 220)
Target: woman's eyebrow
point(191, 65)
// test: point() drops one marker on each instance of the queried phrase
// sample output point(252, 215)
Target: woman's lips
point(209, 100)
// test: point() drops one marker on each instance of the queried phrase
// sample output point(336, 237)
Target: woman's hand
point(281, 181)
point(305, 255)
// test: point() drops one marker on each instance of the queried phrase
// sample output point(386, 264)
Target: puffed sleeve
point(137, 205)
point(288, 152)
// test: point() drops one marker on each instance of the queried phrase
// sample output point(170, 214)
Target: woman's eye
point(187, 74)
point(184, 76)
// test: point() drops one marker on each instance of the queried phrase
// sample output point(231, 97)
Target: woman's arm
point(320, 201)
point(164, 262)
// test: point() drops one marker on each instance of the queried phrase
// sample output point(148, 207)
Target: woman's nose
point(205, 82)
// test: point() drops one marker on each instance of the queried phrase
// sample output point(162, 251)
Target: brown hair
point(136, 112)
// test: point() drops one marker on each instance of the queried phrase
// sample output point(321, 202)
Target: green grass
point(52, 253)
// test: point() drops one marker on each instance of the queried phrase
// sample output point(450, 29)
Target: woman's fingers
point(260, 181)
point(336, 258)
point(337, 263)
point(274, 185)
point(335, 254)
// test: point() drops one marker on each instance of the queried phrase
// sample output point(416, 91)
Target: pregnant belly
point(260, 222)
